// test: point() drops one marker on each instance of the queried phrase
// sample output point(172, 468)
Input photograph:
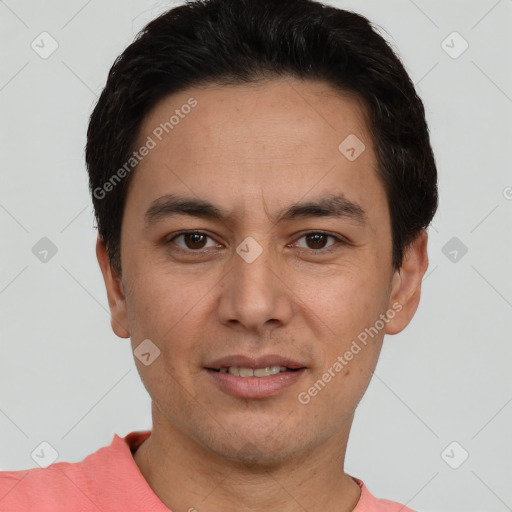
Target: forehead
point(280, 139)
point(285, 115)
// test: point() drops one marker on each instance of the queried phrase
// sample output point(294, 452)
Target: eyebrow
point(336, 206)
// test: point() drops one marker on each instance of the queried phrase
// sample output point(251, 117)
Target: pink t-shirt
point(108, 480)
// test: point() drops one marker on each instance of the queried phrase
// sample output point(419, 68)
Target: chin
point(257, 445)
point(259, 454)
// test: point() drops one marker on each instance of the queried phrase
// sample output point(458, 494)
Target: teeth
point(258, 372)
point(262, 372)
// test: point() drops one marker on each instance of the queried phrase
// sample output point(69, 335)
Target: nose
point(255, 294)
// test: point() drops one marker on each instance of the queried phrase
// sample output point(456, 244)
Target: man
point(262, 179)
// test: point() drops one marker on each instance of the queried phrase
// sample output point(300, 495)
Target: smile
point(267, 371)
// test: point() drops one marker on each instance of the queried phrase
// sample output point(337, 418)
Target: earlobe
point(406, 284)
point(115, 293)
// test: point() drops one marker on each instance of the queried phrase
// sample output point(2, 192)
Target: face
point(252, 243)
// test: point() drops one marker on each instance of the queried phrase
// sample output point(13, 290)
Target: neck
point(188, 477)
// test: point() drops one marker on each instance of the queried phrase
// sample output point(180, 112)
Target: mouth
point(255, 378)
point(266, 371)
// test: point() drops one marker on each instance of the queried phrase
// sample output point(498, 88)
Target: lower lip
point(255, 387)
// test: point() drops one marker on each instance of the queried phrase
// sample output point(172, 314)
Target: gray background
point(66, 379)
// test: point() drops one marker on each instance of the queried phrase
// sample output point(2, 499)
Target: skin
point(253, 150)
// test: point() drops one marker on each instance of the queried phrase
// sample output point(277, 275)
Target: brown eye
point(192, 241)
point(316, 240)
point(318, 243)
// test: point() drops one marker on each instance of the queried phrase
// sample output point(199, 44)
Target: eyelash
point(338, 241)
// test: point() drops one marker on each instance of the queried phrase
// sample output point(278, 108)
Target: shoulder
point(369, 503)
point(39, 487)
point(82, 483)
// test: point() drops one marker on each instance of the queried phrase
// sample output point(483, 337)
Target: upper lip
point(243, 361)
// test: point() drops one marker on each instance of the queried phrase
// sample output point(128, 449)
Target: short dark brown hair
point(241, 41)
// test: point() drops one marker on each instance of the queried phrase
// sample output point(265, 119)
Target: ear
point(115, 294)
point(406, 284)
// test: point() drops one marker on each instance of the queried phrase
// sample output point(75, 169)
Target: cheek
point(165, 312)
point(160, 303)
point(171, 313)
point(352, 301)
point(350, 351)
point(350, 309)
